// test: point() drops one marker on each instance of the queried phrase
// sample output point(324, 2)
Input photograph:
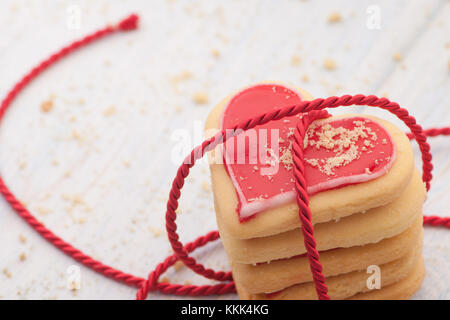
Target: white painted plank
point(121, 168)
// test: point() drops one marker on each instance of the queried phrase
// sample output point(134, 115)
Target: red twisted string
point(182, 252)
point(433, 132)
point(436, 221)
point(303, 202)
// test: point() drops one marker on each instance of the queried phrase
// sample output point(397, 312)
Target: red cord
point(303, 202)
point(313, 108)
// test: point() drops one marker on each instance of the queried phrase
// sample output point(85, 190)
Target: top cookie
point(352, 163)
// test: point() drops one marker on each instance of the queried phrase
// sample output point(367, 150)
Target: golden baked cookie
point(283, 273)
point(326, 205)
point(355, 230)
point(402, 290)
point(348, 284)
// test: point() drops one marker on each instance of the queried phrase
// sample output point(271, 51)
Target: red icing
point(264, 179)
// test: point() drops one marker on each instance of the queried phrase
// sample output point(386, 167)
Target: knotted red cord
point(182, 251)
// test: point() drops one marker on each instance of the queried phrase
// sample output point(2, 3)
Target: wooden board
point(97, 167)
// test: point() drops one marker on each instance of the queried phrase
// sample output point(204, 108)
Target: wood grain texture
point(98, 166)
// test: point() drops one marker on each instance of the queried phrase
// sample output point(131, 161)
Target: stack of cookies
point(366, 199)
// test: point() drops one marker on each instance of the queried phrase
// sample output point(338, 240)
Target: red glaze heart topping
point(337, 152)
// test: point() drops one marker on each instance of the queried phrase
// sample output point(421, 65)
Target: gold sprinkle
point(22, 257)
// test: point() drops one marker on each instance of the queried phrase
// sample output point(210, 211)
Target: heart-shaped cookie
point(338, 152)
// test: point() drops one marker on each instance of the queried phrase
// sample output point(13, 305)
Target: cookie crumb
point(47, 106)
point(397, 57)
point(339, 139)
point(215, 53)
point(205, 186)
point(22, 238)
point(75, 135)
point(334, 17)
point(157, 232)
point(7, 273)
point(200, 98)
point(43, 211)
point(175, 80)
point(178, 265)
point(77, 199)
point(109, 111)
point(295, 60)
point(165, 279)
point(329, 64)
point(73, 285)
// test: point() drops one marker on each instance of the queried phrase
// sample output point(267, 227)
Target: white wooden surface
point(100, 178)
